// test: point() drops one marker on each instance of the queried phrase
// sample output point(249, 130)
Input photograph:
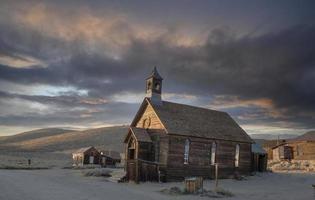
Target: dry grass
point(22, 168)
point(219, 193)
point(97, 172)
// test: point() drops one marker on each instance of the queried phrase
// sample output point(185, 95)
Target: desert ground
point(56, 184)
point(51, 149)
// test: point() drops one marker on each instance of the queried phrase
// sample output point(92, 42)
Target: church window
point(186, 151)
point(213, 153)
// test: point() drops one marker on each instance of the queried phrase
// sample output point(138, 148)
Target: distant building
point(171, 141)
point(282, 152)
point(303, 149)
point(304, 146)
point(300, 148)
point(109, 157)
point(85, 156)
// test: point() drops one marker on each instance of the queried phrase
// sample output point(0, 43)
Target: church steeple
point(154, 87)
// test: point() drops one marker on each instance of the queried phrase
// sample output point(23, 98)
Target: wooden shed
point(282, 152)
point(170, 141)
point(85, 156)
point(109, 157)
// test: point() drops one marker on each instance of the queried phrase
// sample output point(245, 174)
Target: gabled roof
point(140, 134)
point(111, 154)
point(195, 121)
point(82, 150)
point(282, 144)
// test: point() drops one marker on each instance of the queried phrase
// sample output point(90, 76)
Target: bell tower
point(154, 87)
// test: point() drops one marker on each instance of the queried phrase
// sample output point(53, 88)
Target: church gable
point(148, 119)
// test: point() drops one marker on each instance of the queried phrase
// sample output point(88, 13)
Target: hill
point(29, 135)
point(273, 137)
point(53, 147)
point(60, 140)
point(310, 136)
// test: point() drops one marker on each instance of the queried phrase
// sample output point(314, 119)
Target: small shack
point(85, 156)
point(109, 157)
point(282, 152)
point(259, 158)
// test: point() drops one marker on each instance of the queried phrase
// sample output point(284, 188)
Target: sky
point(82, 64)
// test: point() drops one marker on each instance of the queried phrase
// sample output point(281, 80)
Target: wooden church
point(169, 141)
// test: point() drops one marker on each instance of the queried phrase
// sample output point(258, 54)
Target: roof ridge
point(198, 107)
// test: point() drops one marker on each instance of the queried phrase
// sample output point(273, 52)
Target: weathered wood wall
point(149, 114)
point(283, 152)
point(157, 134)
point(200, 156)
point(304, 150)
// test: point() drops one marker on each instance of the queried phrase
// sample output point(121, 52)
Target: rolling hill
point(60, 140)
point(32, 135)
point(53, 147)
point(307, 136)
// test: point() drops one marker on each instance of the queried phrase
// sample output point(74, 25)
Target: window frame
point(237, 155)
point(186, 151)
point(213, 153)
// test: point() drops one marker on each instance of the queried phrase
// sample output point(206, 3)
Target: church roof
point(141, 134)
point(155, 74)
point(199, 122)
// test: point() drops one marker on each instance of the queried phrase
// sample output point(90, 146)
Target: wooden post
point(216, 175)
point(137, 171)
point(159, 174)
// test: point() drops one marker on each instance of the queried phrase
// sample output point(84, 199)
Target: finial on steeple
point(155, 74)
point(154, 87)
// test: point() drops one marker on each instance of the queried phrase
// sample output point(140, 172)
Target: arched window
point(213, 152)
point(237, 155)
point(186, 151)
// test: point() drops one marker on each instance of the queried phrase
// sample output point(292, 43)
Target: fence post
point(137, 171)
point(216, 176)
point(159, 173)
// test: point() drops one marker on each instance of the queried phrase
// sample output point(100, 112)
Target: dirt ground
point(66, 184)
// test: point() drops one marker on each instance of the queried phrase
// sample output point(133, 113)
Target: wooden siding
point(282, 152)
point(155, 123)
point(84, 157)
point(304, 150)
point(156, 132)
point(200, 156)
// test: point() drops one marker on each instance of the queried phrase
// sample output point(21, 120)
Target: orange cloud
point(225, 102)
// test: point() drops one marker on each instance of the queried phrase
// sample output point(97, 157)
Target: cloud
point(87, 66)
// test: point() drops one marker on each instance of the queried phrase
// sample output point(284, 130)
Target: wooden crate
point(193, 184)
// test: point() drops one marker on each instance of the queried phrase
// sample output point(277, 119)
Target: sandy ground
point(65, 184)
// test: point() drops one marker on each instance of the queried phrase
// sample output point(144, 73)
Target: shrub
point(97, 172)
point(224, 192)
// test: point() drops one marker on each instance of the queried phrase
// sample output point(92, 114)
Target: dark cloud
point(277, 65)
